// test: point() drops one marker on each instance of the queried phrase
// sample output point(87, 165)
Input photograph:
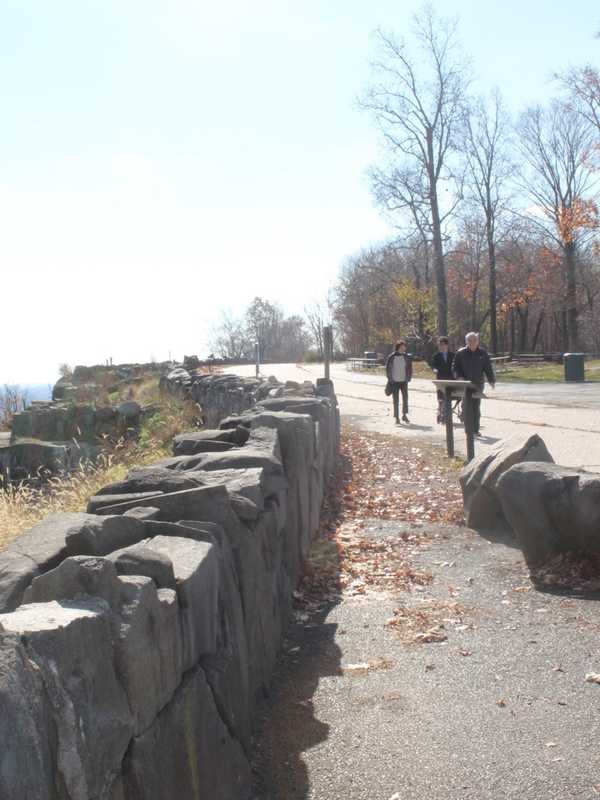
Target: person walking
point(472, 363)
point(441, 364)
point(398, 368)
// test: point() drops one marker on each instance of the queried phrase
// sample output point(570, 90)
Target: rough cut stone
point(16, 573)
point(148, 648)
point(204, 503)
point(197, 757)
point(138, 559)
point(94, 535)
point(71, 646)
point(551, 509)
point(101, 500)
point(247, 457)
point(150, 479)
point(479, 479)
point(228, 670)
point(196, 568)
point(27, 763)
point(77, 576)
point(243, 507)
point(188, 444)
point(139, 512)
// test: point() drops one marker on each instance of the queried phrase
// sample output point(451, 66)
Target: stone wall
point(136, 638)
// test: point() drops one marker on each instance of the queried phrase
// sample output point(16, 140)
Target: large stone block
point(551, 509)
point(44, 546)
point(479, 478)
point(188, 752)
point(193, 442)
point(101, 500)
point(210, 503)
point(228, 670)
point(91, 726)
point(247, 457)
point(77, 576)
point(16, 573)
point(27, 746)
point(197, 573)
point(142, 560)
point(148, 648)
point(150, 479)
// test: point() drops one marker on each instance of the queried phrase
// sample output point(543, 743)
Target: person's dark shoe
point(397, 420)
point(405, 418)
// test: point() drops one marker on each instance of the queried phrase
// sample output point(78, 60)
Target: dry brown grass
point(22, 505)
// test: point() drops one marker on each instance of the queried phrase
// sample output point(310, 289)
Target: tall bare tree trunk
point(493, 295)
point(571, 296)
point(538, 328)
point(438, 246)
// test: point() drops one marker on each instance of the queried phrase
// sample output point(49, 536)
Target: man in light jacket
point(399, 372)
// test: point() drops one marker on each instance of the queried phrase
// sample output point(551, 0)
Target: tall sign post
point(454, 390)
point(327, 348)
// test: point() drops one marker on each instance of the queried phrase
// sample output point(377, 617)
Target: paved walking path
point(566, 415)
point(499, 710)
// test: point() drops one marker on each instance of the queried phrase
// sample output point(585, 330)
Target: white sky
point(163, 159)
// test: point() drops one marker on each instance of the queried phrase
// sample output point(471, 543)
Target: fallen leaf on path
point(435, 634)
point(367, 666)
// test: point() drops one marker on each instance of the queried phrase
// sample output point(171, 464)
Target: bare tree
point(229, 338)
point(583, 85)
point(13, 400)
point(317, 315)
point(417, 103)
point(488, 170)
point(557, 144)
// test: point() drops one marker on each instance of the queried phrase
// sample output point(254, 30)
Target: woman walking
point(399, 372)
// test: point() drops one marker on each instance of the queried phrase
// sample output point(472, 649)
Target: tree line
point(496, 218)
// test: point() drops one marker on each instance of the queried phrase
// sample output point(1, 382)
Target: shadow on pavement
point(286, 725)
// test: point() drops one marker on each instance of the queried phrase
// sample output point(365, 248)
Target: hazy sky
point(162, 159)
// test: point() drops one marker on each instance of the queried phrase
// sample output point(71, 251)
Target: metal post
point(449, 423)
point(257, 358)
point(327, 348)
point(469, 423)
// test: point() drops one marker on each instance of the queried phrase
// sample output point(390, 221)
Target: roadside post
point(327, 348)
point(454, 390)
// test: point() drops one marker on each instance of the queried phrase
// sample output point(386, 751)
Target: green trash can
point(574, 367)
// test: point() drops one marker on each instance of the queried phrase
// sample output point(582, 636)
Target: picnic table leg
point(469, 424)
point(449, 423)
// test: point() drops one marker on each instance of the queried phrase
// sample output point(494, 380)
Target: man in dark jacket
point(399, 372)
point(441, 364)
point(472, 363)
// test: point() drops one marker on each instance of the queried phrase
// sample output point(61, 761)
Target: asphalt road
point(501, 710)
point(565, 415)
